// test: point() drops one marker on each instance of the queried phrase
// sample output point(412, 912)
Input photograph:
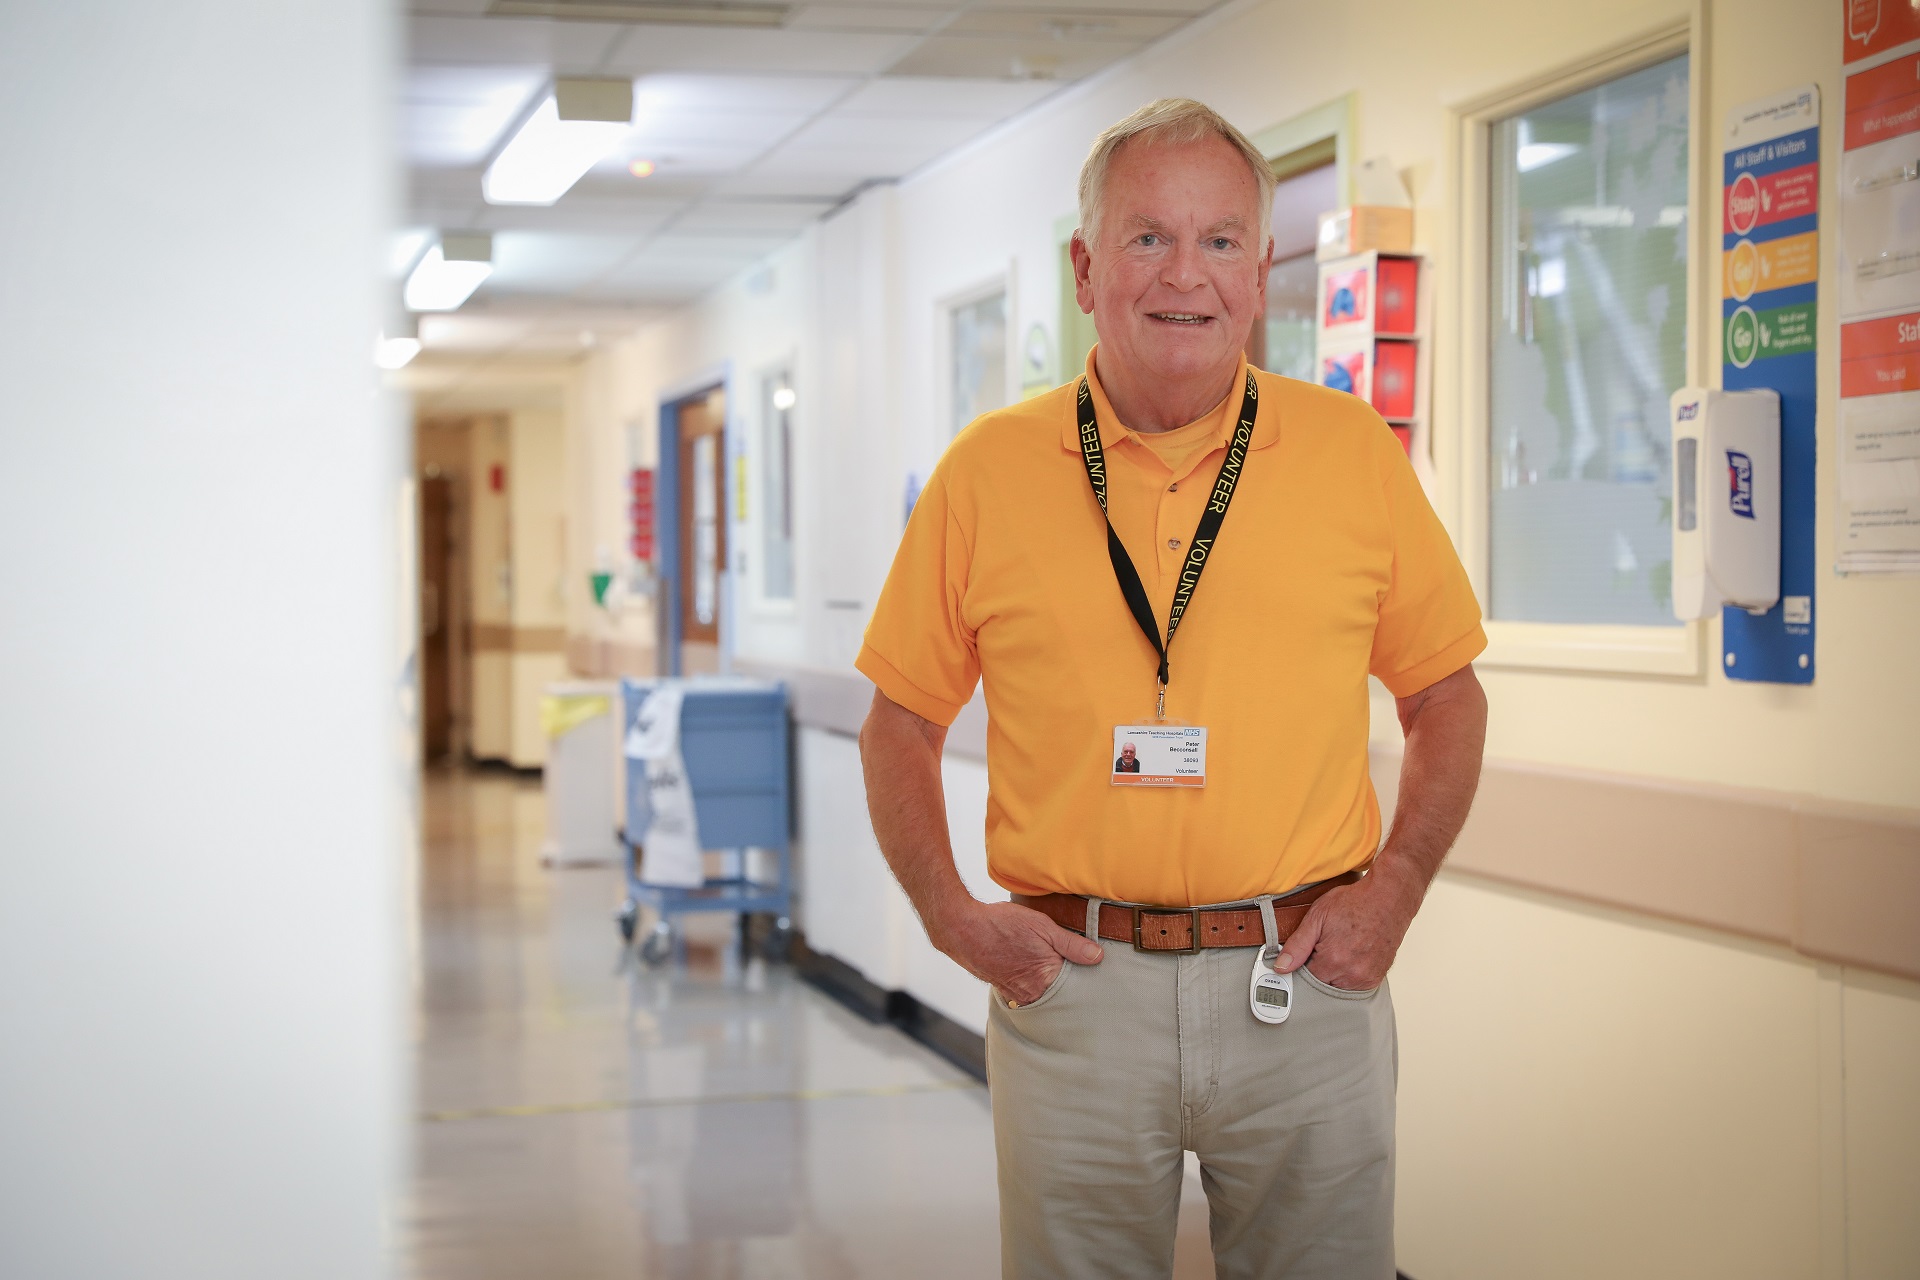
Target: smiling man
point(1181, 561)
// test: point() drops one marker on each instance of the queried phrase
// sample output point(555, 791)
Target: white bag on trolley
point(671, 842)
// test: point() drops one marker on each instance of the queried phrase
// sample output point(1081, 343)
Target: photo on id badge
point(1159, 755)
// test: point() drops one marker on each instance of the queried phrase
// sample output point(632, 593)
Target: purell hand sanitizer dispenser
point(1726, 500)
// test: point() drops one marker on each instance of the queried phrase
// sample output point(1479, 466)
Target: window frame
point(1643, 650)
point(762, 604)
point(1000, 282)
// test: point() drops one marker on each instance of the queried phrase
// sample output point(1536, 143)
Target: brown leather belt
point(1185, 928)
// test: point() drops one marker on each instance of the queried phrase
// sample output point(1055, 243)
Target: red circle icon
point(1743, 204)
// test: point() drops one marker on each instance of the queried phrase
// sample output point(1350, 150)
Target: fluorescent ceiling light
point(449, 273)
point(1533, 155)
point(571, 130)
point(396, 353)
point(399, 343)
point(406, 250)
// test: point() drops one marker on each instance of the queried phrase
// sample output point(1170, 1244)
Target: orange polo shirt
point(1330, 564)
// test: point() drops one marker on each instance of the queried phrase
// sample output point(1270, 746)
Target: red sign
point(1884, 102)
point(1754, 202)
point(640, 512)
point(1875, 26)
point(1880, 357)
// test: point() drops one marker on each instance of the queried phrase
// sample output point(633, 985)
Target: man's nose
point(1184, 269)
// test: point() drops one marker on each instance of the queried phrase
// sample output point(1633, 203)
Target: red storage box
point(1393, 368)
point(1396, 296)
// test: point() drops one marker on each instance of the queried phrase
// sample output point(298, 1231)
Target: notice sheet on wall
point(1879, 289)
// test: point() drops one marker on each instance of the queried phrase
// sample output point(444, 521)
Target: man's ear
point(1083, 272)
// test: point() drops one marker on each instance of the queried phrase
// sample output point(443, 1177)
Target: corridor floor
point(581, 1117)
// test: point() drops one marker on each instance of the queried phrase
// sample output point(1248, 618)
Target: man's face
point(1126, 752)
point(1180, 268)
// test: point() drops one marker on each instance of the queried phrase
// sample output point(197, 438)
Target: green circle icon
point(1743, 337)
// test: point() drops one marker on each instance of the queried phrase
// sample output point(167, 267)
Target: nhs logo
point(1740, 482)
point(1688, 412)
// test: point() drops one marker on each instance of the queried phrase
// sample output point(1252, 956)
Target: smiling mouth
point(1180, 317)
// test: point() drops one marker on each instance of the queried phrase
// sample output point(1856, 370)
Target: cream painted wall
point(490, 596)
point(1587, 1093)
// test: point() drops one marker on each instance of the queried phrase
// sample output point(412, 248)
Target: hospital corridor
point(952, 639)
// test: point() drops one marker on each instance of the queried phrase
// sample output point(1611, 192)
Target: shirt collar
point(1266, 420)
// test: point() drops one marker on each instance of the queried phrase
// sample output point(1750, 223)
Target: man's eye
point(1221, 242)
point(1149, 239)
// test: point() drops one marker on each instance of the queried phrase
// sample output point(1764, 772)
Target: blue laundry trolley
point(734, 739)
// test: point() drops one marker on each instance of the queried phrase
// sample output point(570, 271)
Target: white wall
point(202, 768)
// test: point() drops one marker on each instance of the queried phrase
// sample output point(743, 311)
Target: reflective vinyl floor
point(580, 1115)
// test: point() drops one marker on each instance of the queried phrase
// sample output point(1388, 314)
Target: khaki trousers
point(1101, 1083)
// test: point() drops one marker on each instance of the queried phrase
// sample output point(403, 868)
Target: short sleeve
point(918, 649)
point(1429, 624)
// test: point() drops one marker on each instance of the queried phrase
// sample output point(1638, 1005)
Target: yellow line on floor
point(706, 1099)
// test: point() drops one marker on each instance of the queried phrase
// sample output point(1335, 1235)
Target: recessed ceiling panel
point(831, 53)
point(756, 183)
point(834, 17)
point(1065, 25)
point(552, 262)
point(559, 48)
point(988, 57)
point(988, 101)
point(778, 218)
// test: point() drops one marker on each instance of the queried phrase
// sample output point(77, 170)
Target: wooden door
point(436, 624)
point(703, 517)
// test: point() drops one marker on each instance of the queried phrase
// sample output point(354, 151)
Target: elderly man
point(1180, 551)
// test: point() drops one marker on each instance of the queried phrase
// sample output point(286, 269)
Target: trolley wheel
point(658, 946)
point(627, 917)
point(776, 944)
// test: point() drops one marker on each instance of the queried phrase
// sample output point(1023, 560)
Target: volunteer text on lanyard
point(1173, 761)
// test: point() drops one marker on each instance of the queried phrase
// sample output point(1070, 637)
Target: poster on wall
point(1770, 266)
point(1879, 291)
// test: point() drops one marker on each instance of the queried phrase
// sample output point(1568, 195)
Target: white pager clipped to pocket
point(1270, 995)
point(1726, 500)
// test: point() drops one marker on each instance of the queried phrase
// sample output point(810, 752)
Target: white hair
point(1174, 120)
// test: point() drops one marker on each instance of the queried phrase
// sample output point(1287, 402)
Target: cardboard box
point(1394, 362)
point(1363, 228)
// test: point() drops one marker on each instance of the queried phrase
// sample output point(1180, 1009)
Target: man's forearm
point(900, 756)
point(1446, 733)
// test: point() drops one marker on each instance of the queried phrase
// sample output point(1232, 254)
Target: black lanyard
point(1204, 533)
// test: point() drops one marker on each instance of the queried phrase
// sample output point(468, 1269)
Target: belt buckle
point(1193, 919)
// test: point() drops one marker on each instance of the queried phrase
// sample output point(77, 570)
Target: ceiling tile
point(774, 217)
point(755, 183)
point(840, 132)
point(713, 49)
point(552, 262)
point(1066, 25)
point(561, 48)
point(985, 100)
point(988, 57)
point(836, 17)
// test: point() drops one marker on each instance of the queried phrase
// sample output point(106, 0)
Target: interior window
point(1589, 339)
point(978, 358)
point(1298, 202)
point(776, 482)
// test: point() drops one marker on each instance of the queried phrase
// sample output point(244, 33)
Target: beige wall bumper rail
point(1834, 881)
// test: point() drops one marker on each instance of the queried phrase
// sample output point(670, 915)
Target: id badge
point(1159, 755)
